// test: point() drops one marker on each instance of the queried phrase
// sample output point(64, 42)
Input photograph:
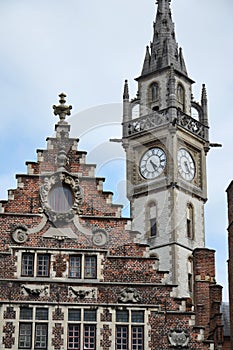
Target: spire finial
point(62, 109)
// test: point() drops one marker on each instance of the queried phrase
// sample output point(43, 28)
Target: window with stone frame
point(83, 266)
point(33, 334)
point(181, 97)
point(154, 92)
point(27, 267)
point(151, 219)
point(43, 265)
point(190, 221)
point(90, 266)
point(75, 266)
point(35, 265)
point(153, 96)
point(81, 331)
point(129, 329)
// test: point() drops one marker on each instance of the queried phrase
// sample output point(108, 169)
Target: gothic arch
point(199, 111)
point(151, 219)
point(190, 221)
point(180, 93)
point(153, 96)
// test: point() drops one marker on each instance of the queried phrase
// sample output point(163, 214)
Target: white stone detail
point(11, 195)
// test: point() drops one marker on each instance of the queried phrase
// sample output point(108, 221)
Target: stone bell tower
point(166, 147)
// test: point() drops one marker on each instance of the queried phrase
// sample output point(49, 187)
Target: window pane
point(122, 338)
point(89, 315)
point(73, 336)
point(153, 227)
point(27, 264)
point(89, 337)
point(42, 314)
point(137, 316)
point(41, 332)
point(60, 199)
point(154, 91)
point(122, 316)
point(43, 265)
point(74, 315)
point(25, 313)
point(137, 338)
point(75, 267)
point(25, 335)
point(90, 267)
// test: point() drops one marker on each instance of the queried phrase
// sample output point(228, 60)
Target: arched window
point(190, 221)
point(181, 97)
point(154, 92)
point(152, 219)
point(60, 198)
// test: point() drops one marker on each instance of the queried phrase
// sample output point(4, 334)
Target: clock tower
point(165, 136)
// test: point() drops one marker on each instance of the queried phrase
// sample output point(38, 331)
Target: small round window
point(60, 198)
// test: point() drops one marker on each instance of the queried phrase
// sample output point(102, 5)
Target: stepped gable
point(62, 164)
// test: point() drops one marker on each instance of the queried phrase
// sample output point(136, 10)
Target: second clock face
point(152, 163)
point(186, 164)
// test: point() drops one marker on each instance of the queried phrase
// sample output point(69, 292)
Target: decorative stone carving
point(144, 123)
point(20, 234)
point(61, 178)
point(129, 295)
point(34, 290)
point(83, 293)
point(178, 339)
point(100, 237)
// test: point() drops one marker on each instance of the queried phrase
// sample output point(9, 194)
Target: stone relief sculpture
point(178, 339)
point(129, 295)
point(34, 290)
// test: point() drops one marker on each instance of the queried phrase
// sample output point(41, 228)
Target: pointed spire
point(126, 91)
point(146, 65)
point(164, 48)
point(181, 61)
point(203, 94)
point(204, 104)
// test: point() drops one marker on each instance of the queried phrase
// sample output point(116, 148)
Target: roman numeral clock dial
point(186, 164)
point(152, 163)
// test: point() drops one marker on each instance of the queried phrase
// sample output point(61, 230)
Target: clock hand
point(186, 166)
point(154, 165)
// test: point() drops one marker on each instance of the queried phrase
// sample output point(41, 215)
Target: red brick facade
point(51, 270)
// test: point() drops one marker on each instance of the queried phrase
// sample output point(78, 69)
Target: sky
point(87, 49)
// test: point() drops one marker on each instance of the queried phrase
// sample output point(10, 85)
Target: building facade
point(75, 274)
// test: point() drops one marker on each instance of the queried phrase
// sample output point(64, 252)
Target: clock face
point(152, 163)
point(186, 164)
